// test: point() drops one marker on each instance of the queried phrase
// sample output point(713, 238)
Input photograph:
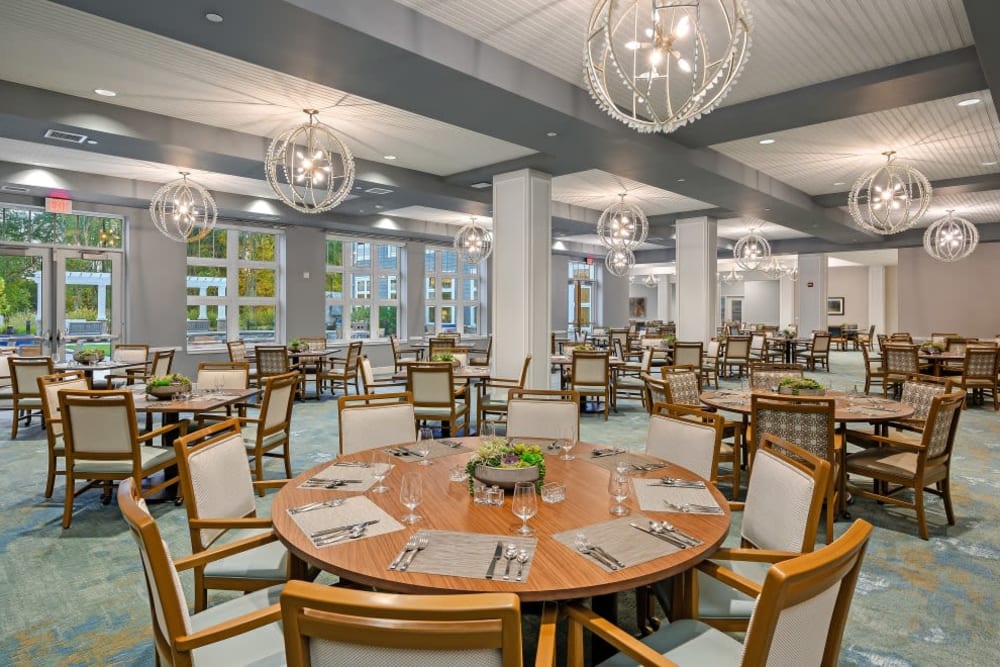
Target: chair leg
point(50, 480)
point(70, 495)
point(918, 504)
point(200, 592)
point(831, 514)
point(13, 426)
point(259, 470)
point(945, 486)
point(288, 461)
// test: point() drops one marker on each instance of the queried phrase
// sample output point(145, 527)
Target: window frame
point(372, 274)
point(458, 302)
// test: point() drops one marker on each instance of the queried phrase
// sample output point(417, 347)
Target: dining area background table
point(557, 571)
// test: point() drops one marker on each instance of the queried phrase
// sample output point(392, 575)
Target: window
point(229, 258)
point(22, 225)
point(371, 298)
point(581, 285)
point(452, 299)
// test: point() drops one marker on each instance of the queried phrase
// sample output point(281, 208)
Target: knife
point(666, 538)
point(497, 553)
point(342, 529)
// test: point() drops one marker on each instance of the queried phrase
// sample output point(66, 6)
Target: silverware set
point(327, 536)
point(450, 443)
point(598, 453)
point(327, 483)
point(679, 483)
point(333, 502)
point(648, 467)
point(586, 547)
point(352, 464)
point(666, 532)
point(414, 546)
point(694, 508)
point(402, 451)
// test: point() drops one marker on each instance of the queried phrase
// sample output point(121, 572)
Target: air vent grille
point(13, 188)
point(378, 191)
point(481, 185)
point(69, 137)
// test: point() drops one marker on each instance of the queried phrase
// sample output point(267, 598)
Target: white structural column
point(522, 289)
point(663, 298)
point(812, 293)
point(876, 299)
point(696, 280)
point(786, 302)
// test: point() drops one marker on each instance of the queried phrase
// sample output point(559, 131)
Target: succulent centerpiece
point(165, 387)
point(503, 463)
point(446, 356)
point(296, 345)
point(932, 348)
point(88, 355)
point(800, 387)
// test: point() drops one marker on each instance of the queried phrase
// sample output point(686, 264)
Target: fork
point(694, 508)
point(421, 545)
point(410, 545)
point(333, 502)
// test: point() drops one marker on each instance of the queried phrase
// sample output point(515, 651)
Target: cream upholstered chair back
point(231, 374)
point(543, 414)
point(758, 344)
point(24, 374)
point(5, 367)
point(683, 386)
point(941, 338)
point(367, 426)
point(685, 436)
point(237, 350)
point(769, 376)
point(802, 609)
point(133, 354)
point(163, 360)
point(590, 368)
point(738, 347)
point(367, 374)
point(431, 384)
point(49, 387)
point(339, 627)
point(353, 354)
point(276, 406)
point(784, 497)
point(100, 426)
point(712, 351)
point(821, 343)
point(687, 354)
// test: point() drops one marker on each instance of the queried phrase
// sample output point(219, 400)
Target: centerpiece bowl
point(165, 387)
point(501, 463)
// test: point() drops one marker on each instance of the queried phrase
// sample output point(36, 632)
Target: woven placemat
point(438, 448)
point(617, 537)
point(653, 497)
point(609, 461)
point(359, 478)
point(353, 510)
point(469, 554)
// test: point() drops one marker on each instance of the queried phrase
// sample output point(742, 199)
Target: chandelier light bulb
point(622, 225)
point(951, 238)
point(752, 251)
point(890, 198)
point(183, 210)
point(473, 243)
point(619, 261)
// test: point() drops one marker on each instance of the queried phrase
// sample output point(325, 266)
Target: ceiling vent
point(481, 185)
point(14, 188)
point(378, 191)
point(69, 137)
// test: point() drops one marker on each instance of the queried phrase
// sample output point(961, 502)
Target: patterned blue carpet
point(77, 597)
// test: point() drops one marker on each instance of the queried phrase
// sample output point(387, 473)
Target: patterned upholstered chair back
point(364, 427)
point(902, 359)
point(980, 364)
point(543, 414)
point(806, 423)
point(942, 423)
point(683, 386)
point(271, 360)
point(769, 376)
point(955, 345)
point(919, 396)
point(314, 343)
point(688, 437)
point(237, 350)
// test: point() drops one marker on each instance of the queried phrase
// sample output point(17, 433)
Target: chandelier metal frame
point(731, 278)
point(657, 65)
point(309, 167)
point(183, 210)
point(951, 238)
point(752, 251)
point(622, 225)
point(473, 243)
point(619, 261)
point(889, 199)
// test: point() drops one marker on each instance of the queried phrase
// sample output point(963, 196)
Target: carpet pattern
point(77, 597)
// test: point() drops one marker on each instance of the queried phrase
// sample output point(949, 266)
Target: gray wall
point(761, 301)
point(614, 298)
point(850, 282)
point(560, 292)
point(305, 298)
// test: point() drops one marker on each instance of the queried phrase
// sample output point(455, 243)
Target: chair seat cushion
point(268, 561)
point(439, 413)
point(29, 403)
point(889, 461)
point(629, 382)
point(590, 388)
point(494, 400)
point(688, 642)
point(718, 600)
point(262, 647)
point(250, 438)
point(151, 457)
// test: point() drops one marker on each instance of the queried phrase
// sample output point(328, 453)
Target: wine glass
point(380, 470)
point(410, 495)
point(423, 446)
point(487, 430)
point(524, 505)
point(567, 446)
point(217, 382)
point(623, 462)
point(619, 486)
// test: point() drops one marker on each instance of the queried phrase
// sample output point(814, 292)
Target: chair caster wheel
point(178, 502)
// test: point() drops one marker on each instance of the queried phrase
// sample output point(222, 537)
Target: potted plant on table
point(932, 348)
point(165, 387)
point(297, 345)
point(446, 356)
point(88, 355)
point(503, 463)
point(800, 387)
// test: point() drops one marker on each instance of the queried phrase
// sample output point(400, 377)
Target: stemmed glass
point(524, 505)
point(487, 430)
point(380, 470)
point(567, 446)
point(410, 494)
point(619, 486)
point(623, 463)
point(217, 383)
point(423, 446)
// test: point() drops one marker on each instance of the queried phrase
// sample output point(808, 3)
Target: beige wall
point(850, 282)
point(891, 299)
point(958, 296)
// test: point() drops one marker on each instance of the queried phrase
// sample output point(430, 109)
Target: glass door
point(24, 281)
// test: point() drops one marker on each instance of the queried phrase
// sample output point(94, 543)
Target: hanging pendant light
point(309, 167)
point(656, 65)
point(752, 251)
point(732, 277)
point(951, 238)
point(473, 243)
point(183, 210)
point(651, 281)
point(622, 225)
point(619, 261)
point(792, 273)
point(890, 198)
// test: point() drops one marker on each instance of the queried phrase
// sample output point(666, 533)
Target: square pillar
point(812, 293)
point(696, 279)
point(876, 299)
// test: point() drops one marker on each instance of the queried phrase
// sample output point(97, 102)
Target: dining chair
point(710, 364)
point(268, 434)
point(238, 353)
point(922, 465)
point(162, 363)
point(816, 352)
point(6, 391)
point(272, 360)
point(245, 630)
point(874, 370)
point(686, 436)
point(343, 371)
point(807, 423)
point(312, 365)
point(589, 377)
point(689, 354)
point(736, 355)
point(340, 627)
point(25, 397)
point(435, 397)
point(918, 393)
point(656, 391)
point(798, 619)
point(49, 387)
point(868, 337)
point(130, 353)
point(901, 338)
point(628, 382)
point(482, 359)
point(375, 420)
point(219, 498)
point(494, 392)
point(979, 376)
point(899, 362)
point(543, 413)
point(103, 445)
point(370, 382)
point(758, 347)
point(941, 338)
point(768, 376)
point(399, 355)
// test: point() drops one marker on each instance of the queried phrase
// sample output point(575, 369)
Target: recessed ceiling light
point(765, 142)
point(388, 157)
point(840, 183)
point(481, 185)
point(681, 180)
point(91, 141)
point(551, 134)
point(989, 163)
point(104, 92)
point(969, 102)
point(212, 17)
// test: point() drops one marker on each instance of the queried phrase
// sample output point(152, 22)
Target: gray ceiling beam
point(921, 80)
point(388, 53)
point(940, 188)
point(984, 16)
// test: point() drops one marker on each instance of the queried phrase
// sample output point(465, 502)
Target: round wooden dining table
point(557, 572)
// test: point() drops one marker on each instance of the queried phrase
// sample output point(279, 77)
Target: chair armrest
point(898, 444)
point(181, 426)
point(229, 629)
point(246, 522)
point(730, 578)
point(752, 555)
point(584, 618)
point(230, 548)
point(545, 655)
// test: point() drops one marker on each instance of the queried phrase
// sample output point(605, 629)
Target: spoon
point(510, 554)
point(354, 533)
point(522, 558)
point(666, 527)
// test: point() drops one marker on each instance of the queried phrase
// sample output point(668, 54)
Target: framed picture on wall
point(835, 305)
point(637, 307)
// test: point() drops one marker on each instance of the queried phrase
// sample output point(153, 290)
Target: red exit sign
point(53, 205)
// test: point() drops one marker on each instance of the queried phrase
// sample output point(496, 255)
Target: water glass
point(423, 446)
point(623, 463)
point(410, 495)
point(458, 473)
point(487, 430)
point(620, 487)
point(566, 444)
point(524, 506)
point(380, 470)
point(217, 382)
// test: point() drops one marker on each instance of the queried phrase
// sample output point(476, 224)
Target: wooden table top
point(203, 403)
point(556, 572)
point(844, 408)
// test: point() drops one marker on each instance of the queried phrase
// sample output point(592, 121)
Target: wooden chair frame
point(399, 354)
point(53, 419)
point(586, 389)
point(341, 372)
point(454, 419)
point(484, 406)
point(24, 390)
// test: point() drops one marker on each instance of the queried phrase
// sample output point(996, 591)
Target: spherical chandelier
point(731, 278)
point(951, 238)
point(309, 167)
point(183, 210)
point(622, 225)
point(657, 65)
point(473, 243)
point(890, 198)
point(651, 280)
point(752, 251)
point(619, 261)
